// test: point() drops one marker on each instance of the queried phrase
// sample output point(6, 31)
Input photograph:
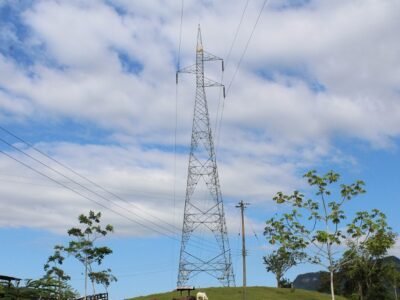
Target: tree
point(364, 279)
point(280, 261)
point(47, 288)
point(83, 248)
point(394, 279)
point(364, 263)
point(54, 273)
point(316, 226)
point(364, 269)
point(103, 277)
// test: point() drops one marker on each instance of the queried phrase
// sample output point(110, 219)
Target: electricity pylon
point(204, 210)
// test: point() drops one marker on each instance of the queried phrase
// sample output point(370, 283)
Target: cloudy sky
point(92, 84)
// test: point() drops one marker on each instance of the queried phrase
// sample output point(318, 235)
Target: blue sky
point(92, 83)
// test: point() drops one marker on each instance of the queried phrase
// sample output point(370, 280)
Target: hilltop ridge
point(253, 293)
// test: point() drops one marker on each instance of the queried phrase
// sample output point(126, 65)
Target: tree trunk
point(360, 291)
point(86, 275)
point(332, 286)
point(278, 280)
point(395, 292)
point(92, 280)
point(59, 288)
point(94, 290)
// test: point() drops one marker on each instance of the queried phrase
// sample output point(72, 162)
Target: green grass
point(253, 293)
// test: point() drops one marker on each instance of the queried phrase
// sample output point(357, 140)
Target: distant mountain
point(309, 281)
point(393, 259)
point(312, 281)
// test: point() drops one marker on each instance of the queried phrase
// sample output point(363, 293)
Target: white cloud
point(273, 127)
point(396, 249)
point(82, 37)
point(143, 181)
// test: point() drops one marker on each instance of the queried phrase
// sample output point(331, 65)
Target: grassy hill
point(253, 293)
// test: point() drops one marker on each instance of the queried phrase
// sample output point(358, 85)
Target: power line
point(74, 172)
point(97, 202)
point(180, 34)
point(247, 45)
point(77, 183)
point(218, 128)
point(80, 194)
point(31, 181)
point(239, 63)
point(237, 31)
point(176, 101)
point(255, 234)
point(176, 126)
point(84, 187)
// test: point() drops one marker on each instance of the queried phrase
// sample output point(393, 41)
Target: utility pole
point(242, 207)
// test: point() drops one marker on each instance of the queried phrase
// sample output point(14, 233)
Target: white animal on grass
point(201, 296)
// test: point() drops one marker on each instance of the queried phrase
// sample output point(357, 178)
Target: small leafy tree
point(54, 273)
point(280, 261)
point(105, 278)
point(316, 226)
point(363, 263)
point(84, 248)
point(47, 288)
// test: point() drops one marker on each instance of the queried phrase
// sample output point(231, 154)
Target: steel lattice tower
point(204, 209)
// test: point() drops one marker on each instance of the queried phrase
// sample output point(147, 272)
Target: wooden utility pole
point(242, 206)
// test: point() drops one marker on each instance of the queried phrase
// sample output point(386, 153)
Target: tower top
point(199, 41)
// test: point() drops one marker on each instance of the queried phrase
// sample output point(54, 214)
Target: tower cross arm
point(211, 83)
point(207, 56)
point(190, 69)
